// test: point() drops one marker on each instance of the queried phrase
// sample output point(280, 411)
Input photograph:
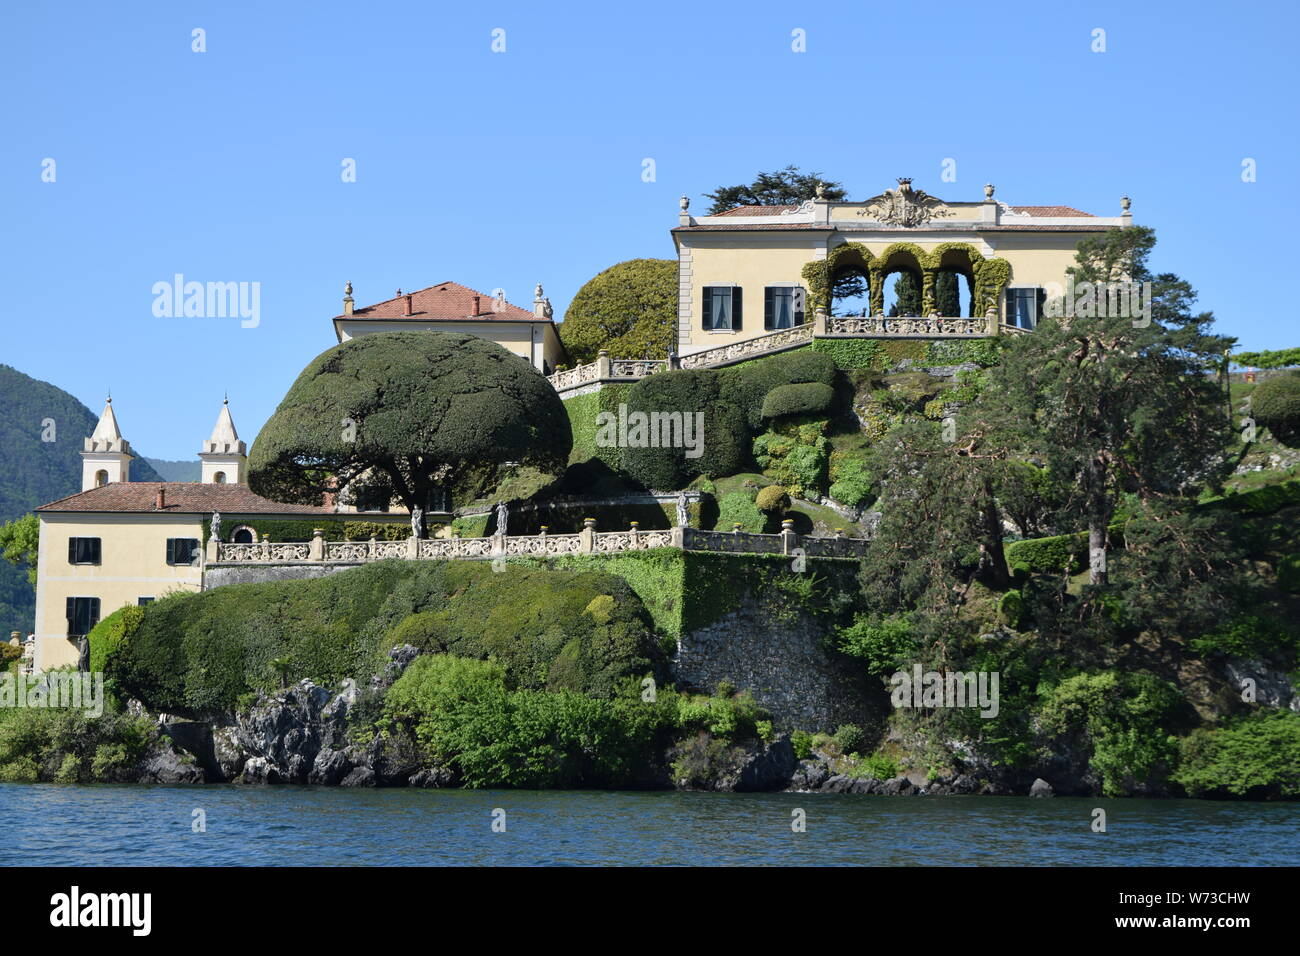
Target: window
point(83, 551)
point(722, 308)
point(182, 550)
point(1022, 306)
point(782, 306)
point(142, 602)
point(83, 615)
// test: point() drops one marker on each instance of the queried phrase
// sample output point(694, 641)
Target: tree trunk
point(994, 573)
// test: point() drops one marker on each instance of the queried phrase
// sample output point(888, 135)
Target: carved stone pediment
point(905, 206)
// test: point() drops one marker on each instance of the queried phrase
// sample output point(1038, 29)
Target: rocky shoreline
point(307, 735)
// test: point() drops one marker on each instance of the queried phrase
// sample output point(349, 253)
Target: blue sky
point(503, 169)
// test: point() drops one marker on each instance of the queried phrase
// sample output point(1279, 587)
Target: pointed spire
point(107, 430)
point(224, 436)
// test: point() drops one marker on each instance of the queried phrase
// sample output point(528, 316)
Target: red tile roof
point(443, 302)
point(757, 210)
point(1067, 211)
point(179, 497)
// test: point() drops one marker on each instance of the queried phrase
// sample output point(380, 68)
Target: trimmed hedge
point(196, 654)
point(805, 398)
point(1275, 403)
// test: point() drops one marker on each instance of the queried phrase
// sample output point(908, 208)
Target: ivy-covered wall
point(583, 410)
point(341, 528)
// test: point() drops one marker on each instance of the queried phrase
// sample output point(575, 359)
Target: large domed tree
point(629, 309)
point(417, 411)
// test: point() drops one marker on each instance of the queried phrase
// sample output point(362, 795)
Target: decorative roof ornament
point(1125, 203)
point(819, 190)
point(988, 190)
point(904, 206)
point(685, 203)
point(804, 207)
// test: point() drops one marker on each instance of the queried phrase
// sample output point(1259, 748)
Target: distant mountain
point(34, 472)
point(176, 470)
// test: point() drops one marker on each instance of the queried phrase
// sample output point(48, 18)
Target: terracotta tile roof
point(757, 210)
point(1052, 211)
point(179, 497)
point(441, 302)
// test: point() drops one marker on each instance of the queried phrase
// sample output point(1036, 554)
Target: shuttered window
point(722, 308)
point(83, 551)
point(182, 550)
point(783, 307)
point(83, 615)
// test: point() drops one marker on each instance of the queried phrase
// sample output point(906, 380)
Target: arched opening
point(906, 294)
point(953, 265)
point(851, 290)
point(219, 478)
point(243, 535)
point(101, 478)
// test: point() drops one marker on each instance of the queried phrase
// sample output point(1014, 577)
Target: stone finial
point(685, 203)
point(347, 298)
point(1125, 203)
point(988, 191)
point(684, 215)
point(541, 304)
point(819, 190)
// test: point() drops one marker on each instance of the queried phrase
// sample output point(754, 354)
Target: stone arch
point(959, 258)
point(243, 534)
point(820, 273)
point(101, 478)
point(900, 257)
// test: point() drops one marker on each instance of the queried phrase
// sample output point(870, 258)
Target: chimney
point(161, 501)
point(474, 310)
point(406, 304)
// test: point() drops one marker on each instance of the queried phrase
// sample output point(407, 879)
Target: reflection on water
point(48, 824)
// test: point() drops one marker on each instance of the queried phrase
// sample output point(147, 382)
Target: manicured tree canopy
point(1275, 403)
point(629, 309)
point(422, 409)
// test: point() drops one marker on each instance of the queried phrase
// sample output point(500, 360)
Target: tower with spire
point(224, 456)
point(105, 455)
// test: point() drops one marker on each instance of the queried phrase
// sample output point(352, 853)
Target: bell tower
point(105, 455)
point(224, 456)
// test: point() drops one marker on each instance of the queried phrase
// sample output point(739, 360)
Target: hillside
point(33, 472)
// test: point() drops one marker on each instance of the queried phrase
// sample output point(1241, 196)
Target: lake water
point(48, 824)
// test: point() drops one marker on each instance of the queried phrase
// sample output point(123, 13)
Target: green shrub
point(108, 634)
point(464, 716)
point(746, 386)
point(864, 354)
point(1246, 633)
point(739, 508)
point(885, 644)
point(805, 398)
point(1275, 403)
point(65, 745)
point(1058, 554)
point(772, 499)
point(802, 742)
point(850, 738)
point(852, 482)
point(878, 767)
point(726, 715)
point(960, 351)
point(1122, 717)
point(1256, 756)
point(1010, 606)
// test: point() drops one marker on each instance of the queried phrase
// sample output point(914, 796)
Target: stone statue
point(216, 525)
point(683, 518)
point(417, 522)
point(503, 517)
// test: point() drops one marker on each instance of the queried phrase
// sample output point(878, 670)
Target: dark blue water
point(48, 824)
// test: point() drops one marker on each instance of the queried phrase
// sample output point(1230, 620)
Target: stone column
point(317, 550)
point(927, 290)
point(412, 547)
point(587, 536)
point(788, 538)
point(819, 322)
point(603, 367)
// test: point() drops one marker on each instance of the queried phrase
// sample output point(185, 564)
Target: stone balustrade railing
point(586, 541)
point(906, 326)
point(605, 369)
point(764, 344)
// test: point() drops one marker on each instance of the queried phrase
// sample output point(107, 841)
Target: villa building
point(759, 270)
point(451, 307)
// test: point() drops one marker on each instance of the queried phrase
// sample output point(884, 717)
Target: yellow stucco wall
point(1038, 259)
point(133, 552)
point(535, 341)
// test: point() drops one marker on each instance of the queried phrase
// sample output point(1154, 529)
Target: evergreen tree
point(947, 294)
point(907, 295)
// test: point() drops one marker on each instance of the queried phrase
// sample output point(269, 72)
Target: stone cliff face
point(785, 661)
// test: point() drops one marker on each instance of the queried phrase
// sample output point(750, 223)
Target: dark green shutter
point(798, 316)
point(708, 308)
point(72, 551)
point(70, 613)
point(94, 615)
point(769, 307)
point(96, 554)
point(171, 550)
point(735, 308)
